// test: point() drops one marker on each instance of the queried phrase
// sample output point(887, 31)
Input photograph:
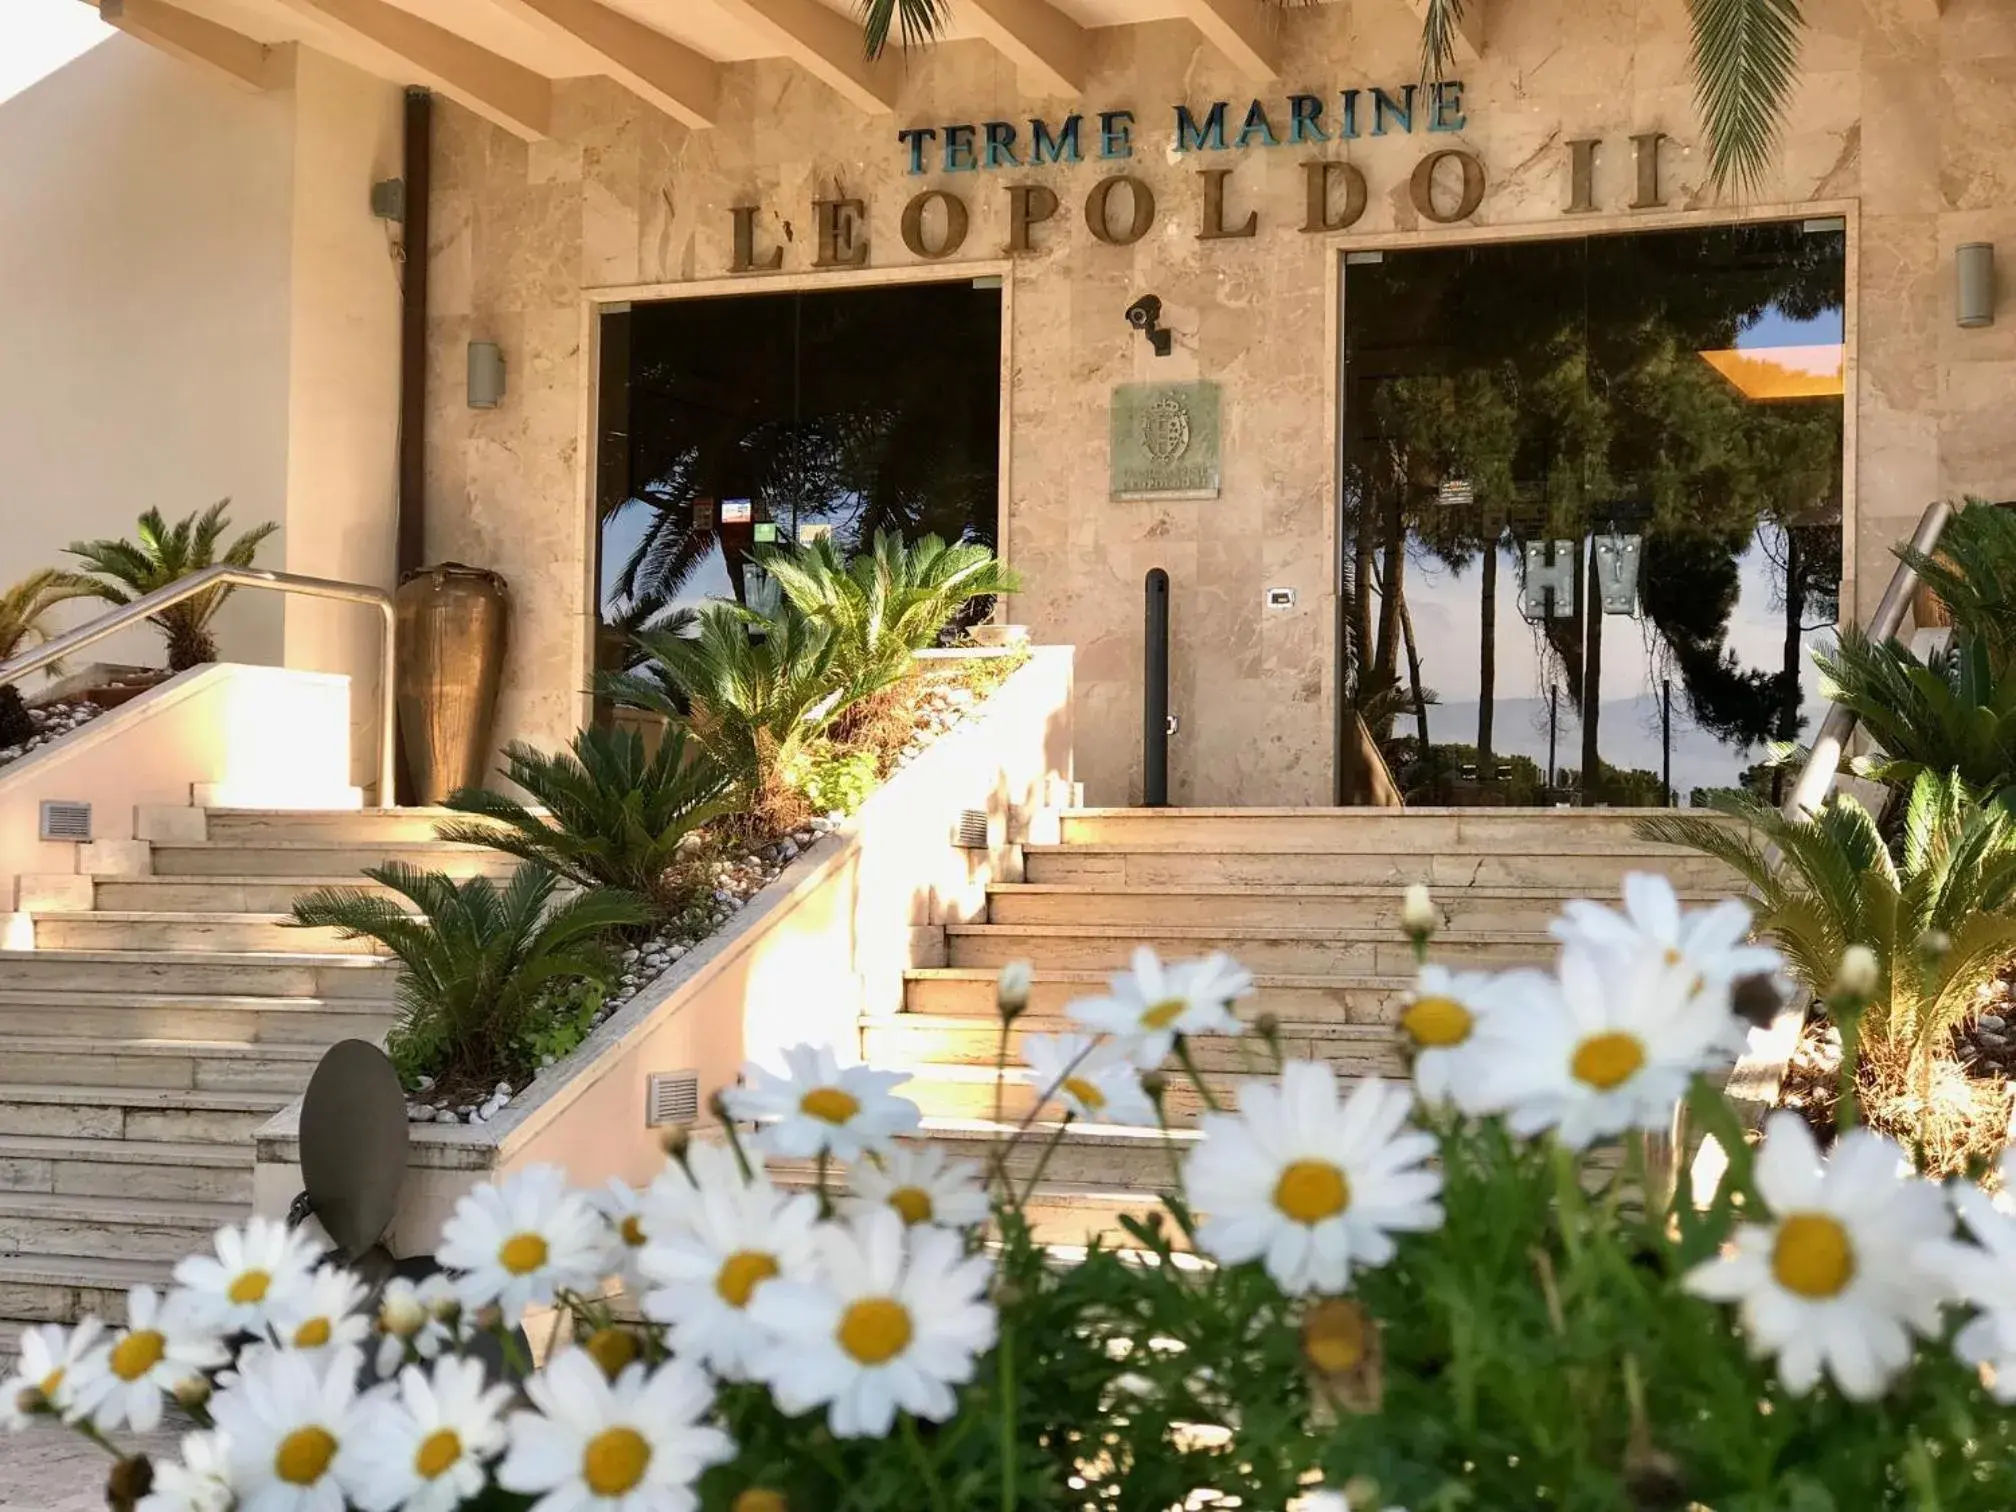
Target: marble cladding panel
point(1904, 115)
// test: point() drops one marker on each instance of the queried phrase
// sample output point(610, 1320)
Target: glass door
point(1591, 514)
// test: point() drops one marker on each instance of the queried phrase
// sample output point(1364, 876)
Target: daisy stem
point(825, 1197)
point(1169, 1144)
point(88, 1430)
point(514, 1357)
point(1568, 1198)
point(1006, 1358)
point(1847, 1109)
point(925, 1468)
point(735, 1143)
point(1029, 1118)
point(1189, 1065)
point(1043, 1161)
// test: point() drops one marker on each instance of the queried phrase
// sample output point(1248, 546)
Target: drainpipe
point(413, 336)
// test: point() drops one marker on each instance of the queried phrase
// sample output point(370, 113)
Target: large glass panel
point(734, 422)
point(1591, 512)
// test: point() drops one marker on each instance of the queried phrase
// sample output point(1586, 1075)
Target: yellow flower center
point(615, 1461)
point(875, 1330)
point(1161, 1015)
point(913, 1203)
point(760, 1499)
point(437, 1452)
point(633, 1232)
point(741, 1273)
point(1607, 1061)
point(250, 1288)
point(1673, 956)
point(1437, 1022)
point(829, 1105)
point(1813, 1256)
point(51, 1384)
point(313, 1334)
point(522, 1254)
point(1333, 1336)
point(304, 1455)
point(136, 1354)
point(1311, 1190)
point(613, 1349)
point(1088, 1095)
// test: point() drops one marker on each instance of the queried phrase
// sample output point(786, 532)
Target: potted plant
point(121, 571)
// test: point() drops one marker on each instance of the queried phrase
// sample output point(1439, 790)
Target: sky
point(37, 37)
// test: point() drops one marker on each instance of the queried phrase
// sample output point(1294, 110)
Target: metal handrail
point(149, 604)
point(1823, 762)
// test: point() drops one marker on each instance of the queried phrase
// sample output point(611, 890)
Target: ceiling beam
point(1469, 28)
point(686, 85)
point(217, 50)
point(824, 43)
point(1046, 46)
point(1243, 30)
point(495, 88)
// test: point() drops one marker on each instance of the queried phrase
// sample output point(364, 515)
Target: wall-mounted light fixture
point(486, 375)
point(1976, 264)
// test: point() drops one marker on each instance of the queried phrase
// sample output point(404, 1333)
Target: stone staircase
point(1308, 900)
point(150, 1033)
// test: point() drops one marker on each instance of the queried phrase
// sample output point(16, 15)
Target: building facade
point(1436, 400)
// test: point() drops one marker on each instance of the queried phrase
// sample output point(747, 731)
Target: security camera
point(1145, 315)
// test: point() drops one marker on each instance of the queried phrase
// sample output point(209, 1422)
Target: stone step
point(162, 1064)
point(970, 993)
point(199, 973)
point(923, 1040)
point(1586, 873)
point(1488, 910)
point(1262, 831)
point(1277, 950)
point(130, 1228)
point(214, 1020)
point(166, 1171)
point(968, 1091)
point(109, 1113)
point(372, 826)
point(243, 933)
point(323, 858)
point(64, 1288)
point(220, 895)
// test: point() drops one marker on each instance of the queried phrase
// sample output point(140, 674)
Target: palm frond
point(1441, 24)
point(1746, 53)
point(916, 21)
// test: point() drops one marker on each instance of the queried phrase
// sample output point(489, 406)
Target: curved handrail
point(1823, 762)
point(149, 604)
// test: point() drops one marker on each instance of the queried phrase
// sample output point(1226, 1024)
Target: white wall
point(144, 283)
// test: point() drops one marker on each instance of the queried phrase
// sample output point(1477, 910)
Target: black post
point(412, 533)
point(1155, 694)
point(1553, 727)
point(1666, 736)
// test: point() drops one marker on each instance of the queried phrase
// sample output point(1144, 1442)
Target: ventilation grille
point(970, 830)
point(63, 819)
point(671, 1097)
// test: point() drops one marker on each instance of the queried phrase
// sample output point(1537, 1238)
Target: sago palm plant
point(477, 959)
point(613, 815)
point(1973, 570)
point(1948, 713)
point(122, 571)
point(24, 624)
point(1941, 920)
point(1745, 55)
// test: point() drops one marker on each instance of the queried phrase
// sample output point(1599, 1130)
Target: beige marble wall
point(1904, 121)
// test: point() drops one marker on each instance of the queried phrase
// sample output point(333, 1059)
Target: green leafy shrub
point(840, 781)
point(478, 960)
point(558, 1022)
point(614, 816)
point(1950, 713)
point(122, 571)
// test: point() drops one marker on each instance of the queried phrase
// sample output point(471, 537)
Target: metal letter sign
point(1549, 590)
point(1617, 572)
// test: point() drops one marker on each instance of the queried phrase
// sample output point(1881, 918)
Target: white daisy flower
point(1147, 1007)
point(199, 1482)
point(164, 1344)
point(728, 1245)
point(1707, 946)
point(635, 1445)
point(253, 1268)
point(299, 1437)
point(416, 1318)
point(922, 1185)
point(431, 1438)
point(1983, 1275)
point(50, 1355)
point(521, 1241)
point(322, 1315)
point(817, 1107)
point(1093, 1078)
point(1834, 1280)
point(896, 1322)
point(625, 1210)
point(1607, 1044)
point(1442, 1022)
point(1313, 1187)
